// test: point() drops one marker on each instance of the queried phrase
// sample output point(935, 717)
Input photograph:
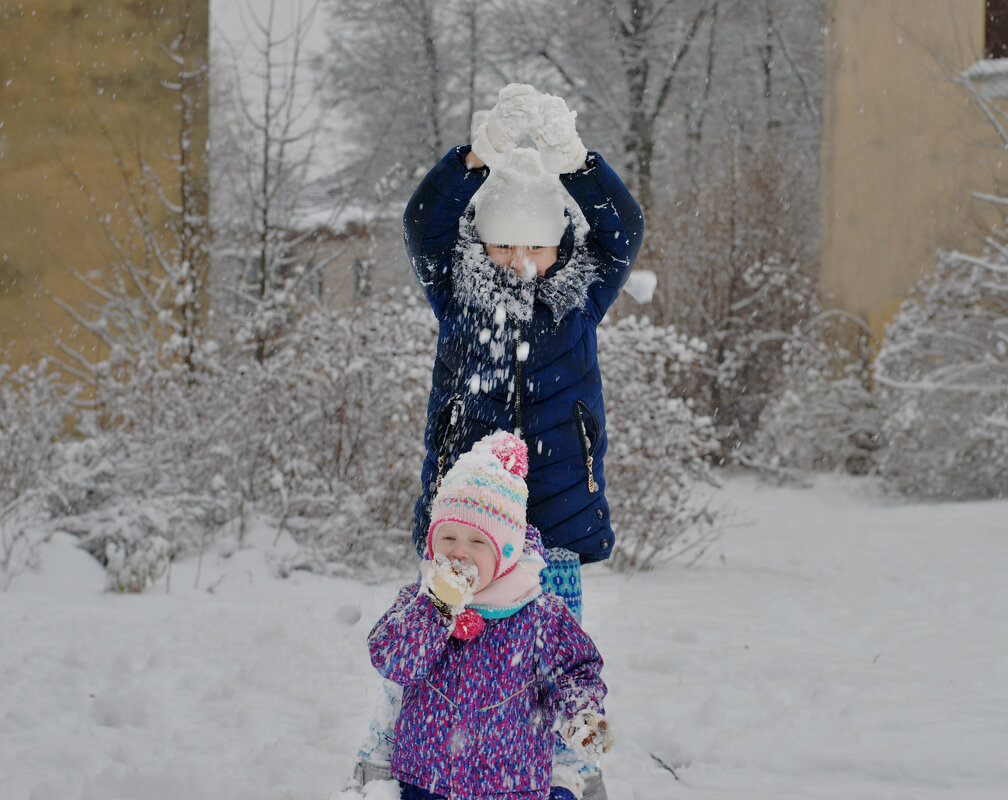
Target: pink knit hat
point(486, 490)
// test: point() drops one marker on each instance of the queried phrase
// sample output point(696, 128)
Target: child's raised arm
point(431, 221)
point(409, 639)
point(616, 227)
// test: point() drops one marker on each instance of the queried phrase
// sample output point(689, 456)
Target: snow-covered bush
point(324, 438)
point(132, 571)
point(658, 468)
point(942, 376)
point(142, 464)
point(341, 409)
point(826, 418)
point(771, 298)
point(23, 531)
point(736, 262)
point(34, 408)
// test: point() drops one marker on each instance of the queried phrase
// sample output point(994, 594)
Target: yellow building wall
point(81, 104)
point(903, 148)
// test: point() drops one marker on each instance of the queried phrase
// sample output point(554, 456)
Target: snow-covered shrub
point(143, 464)
point(34, 408)
point(942, 376)
point(658, 468)
point(22, 532)
point(341, 408)
point(826, 418)
point(736, 263)
point(131, 571)
point(324, 437)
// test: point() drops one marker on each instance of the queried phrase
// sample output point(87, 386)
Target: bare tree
point(265, 136)
point(656, 82)
point(615, 62)
point(407, 71)
point(662, 82)
point(739, 274)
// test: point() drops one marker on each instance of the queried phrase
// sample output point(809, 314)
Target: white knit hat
point(520, 203)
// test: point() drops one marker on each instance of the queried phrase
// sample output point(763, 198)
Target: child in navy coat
point(490, 666)
point(519, 283)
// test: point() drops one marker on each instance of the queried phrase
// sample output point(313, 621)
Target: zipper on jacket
point(519, 379)
point(588, 448)
point(448, 441)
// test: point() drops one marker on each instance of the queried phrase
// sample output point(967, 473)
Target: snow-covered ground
point(833, 644)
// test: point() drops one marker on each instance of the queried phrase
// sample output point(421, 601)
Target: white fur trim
point(484, 286)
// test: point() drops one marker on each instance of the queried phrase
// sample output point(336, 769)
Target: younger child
point(490, 666)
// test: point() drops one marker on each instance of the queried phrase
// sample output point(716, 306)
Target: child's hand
point(479, 119)
point(515, 117)
point(448, 582)
point(557, 137)
point(588, 735)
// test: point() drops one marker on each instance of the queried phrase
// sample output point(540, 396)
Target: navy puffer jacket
point(498, 332)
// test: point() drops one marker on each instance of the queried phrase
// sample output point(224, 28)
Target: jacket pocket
point(446, 429)
point(589, 433)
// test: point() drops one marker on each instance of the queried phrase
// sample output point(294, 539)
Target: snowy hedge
point(658, 468)
point(34, 411)
point(824, 419)
point(323, 441)
point(942, 376)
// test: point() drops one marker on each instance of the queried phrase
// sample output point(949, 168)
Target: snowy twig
point(665, 765)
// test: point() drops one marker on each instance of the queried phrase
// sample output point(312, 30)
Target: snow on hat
point(520, 203)
point(486, 490)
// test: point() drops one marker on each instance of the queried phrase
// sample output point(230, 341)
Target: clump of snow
point(451, 581)
point(641, 284)
point(131, 571)
point(586, 734)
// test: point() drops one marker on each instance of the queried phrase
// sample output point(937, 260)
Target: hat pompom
point(468, 625)
point(513, 454)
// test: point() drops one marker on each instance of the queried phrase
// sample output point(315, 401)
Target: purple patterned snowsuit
point(477, 716)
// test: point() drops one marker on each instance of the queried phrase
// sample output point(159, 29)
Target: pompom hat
point(486, 490)
point(520, 203)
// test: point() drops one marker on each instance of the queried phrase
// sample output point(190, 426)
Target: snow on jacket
point(498, 332)
point(477, 715)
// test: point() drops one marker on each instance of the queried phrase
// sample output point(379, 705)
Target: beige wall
point(902, 148)
point(79, 86)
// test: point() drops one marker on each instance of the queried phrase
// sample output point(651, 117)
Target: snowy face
point(469, 545)
point(526, 261)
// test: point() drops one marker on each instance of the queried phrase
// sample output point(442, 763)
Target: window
point(996, 29)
